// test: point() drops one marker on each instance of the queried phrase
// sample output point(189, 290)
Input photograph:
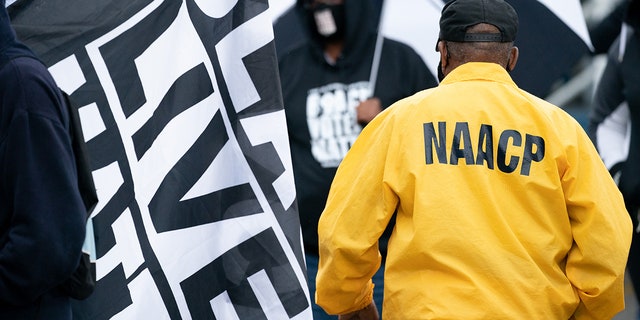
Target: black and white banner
point(181, 108)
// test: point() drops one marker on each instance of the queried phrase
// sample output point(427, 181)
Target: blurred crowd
point(575, 92)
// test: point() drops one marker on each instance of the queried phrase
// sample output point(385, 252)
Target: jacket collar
point(479, 71)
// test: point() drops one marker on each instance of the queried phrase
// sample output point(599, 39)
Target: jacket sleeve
point(420, 77)
point(609, 119)
point(358, 210)
point(43, 237)
point(402, 73)
point(601, 229)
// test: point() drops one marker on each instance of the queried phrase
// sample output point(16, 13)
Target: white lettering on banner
point(200, 175)
point(332, 120)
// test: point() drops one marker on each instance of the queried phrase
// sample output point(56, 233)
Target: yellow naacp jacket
point(504, 210)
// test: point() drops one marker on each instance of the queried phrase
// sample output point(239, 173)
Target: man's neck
point(333, 50)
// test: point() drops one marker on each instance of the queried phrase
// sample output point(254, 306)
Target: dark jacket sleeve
point(43, 225)
point(609, 93)
point(608, 120)
point(402, 73)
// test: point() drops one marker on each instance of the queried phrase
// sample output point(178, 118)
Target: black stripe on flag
point(188, 147)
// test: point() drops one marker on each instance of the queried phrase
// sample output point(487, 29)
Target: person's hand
point(369, 312)
point(368, 109)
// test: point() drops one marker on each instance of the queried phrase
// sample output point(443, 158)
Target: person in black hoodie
point(614, 124)
point(329, 94)
point(42, 216)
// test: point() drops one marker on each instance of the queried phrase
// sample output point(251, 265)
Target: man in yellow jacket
point(503, 207)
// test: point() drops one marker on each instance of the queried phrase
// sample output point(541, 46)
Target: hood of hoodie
point(10, 46)
point(360, 25)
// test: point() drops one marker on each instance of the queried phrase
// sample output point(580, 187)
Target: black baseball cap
point(458, 15)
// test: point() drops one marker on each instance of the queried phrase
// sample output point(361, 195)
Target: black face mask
point(328, 22)
point(440, 73)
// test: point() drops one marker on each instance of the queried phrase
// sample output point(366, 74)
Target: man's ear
point(514, 53)
point(442, 49)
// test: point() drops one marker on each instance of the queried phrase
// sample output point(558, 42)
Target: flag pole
point(375, 65)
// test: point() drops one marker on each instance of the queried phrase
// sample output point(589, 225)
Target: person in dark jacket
point(329, 94)
point(614, 124)
point(42, 216)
